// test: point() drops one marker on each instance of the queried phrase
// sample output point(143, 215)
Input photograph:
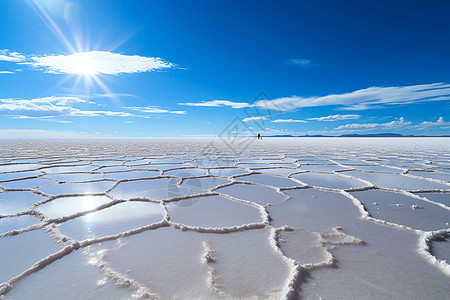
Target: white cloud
point(149, 109)
point(156, 110)
point(289, 121)
point(250, 119)
point(97, 62)
point(218, 103)
point(178, 112)
point(6, 72)
point(49, 119)
point(439, 122)
point(336, 118)
point(301, 62)
point(62, 100)
point(369, 98)
point(373, 97)
point(100, 113)
point(6, 55)
point(47, 107)
point(90, 62)
point(389, 125)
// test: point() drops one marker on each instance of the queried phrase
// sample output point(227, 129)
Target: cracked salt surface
point(404, 209)
point(213, 211)
point(254, 193)
point(18, 175)
point(431, 174)
point(441, 249)
point(112, 220)
point(66, 206)
point(399, 181)
point(323, 168)
point(132, 175)
point(332, 181)
point(8, 224)
point(74, 177)
point(93, 187)
point(287, 218)
point(227, 172)
point(269, 180)
point(12, 203)
point(26, 183)
point(443, 198)
point(85, 280)
point(20, 252)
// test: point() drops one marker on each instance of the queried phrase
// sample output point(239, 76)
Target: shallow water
point(177, 219)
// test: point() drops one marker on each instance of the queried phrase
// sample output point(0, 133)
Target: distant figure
point(259, 137)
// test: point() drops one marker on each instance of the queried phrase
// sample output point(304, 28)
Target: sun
point(82, 64)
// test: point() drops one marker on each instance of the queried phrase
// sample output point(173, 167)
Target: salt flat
point(191, 218)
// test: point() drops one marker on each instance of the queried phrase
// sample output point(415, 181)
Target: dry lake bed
point(277, 218)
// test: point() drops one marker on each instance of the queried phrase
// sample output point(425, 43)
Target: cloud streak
point(218, 103)
point(156, 110)
point(288, 121)
point(389, 125)
point(49, 107)
point(369, 98)
point(335, 118)
point(300, 62)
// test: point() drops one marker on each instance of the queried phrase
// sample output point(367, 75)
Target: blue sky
point(196, 68)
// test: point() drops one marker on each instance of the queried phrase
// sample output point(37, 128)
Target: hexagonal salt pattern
point(285, 219)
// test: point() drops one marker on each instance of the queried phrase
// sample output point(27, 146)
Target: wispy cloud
point(250, 119)
point(289, 121)
point(335, 118)
point(6, 72)
point(369, 98)
point(51, 107)
point(178, 112)
point(156, 110)
point(48, 119)
point(301, 62)
point(373, 97)
point(388, 125)
point(11, 56)
point(90, 62)
point(218, 103)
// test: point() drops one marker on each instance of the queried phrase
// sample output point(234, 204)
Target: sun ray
point(123, 40)
point(106, 90)
point(82, 65)
point(51, 24)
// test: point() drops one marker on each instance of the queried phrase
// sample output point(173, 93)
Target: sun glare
point(81, 64)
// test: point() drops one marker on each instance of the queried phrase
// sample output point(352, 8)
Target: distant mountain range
point(359, 135)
